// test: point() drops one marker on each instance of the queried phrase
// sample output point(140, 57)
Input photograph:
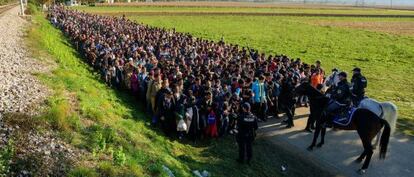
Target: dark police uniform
point(358, 83)
point(341, 96)
point(342, 93)
point(247, 126)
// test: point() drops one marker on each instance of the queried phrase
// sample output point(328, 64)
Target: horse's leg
point(367, 143)
point(361, 157)
point(315, 135)
point(377, 139)
point(323, 132)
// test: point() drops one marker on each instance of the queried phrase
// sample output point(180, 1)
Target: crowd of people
point(191, 86)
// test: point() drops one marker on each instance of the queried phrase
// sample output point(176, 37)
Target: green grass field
point(386, 59)
point(112, 128)
point(344, 10)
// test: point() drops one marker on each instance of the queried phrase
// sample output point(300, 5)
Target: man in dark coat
point(310, 124)
point(197, 125)
point(287, 100)
point(247, 126)
point(273, 92)
point(165, 112)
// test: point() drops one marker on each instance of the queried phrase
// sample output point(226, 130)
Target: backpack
point(211, 119)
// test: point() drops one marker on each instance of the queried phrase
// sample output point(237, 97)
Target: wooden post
point(21, 8)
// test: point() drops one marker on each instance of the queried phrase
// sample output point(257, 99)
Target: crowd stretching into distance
point(191, 87)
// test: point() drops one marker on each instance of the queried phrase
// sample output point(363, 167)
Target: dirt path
point(19, 89)
point(5, 8)
point(341, 149)
point(21, 97)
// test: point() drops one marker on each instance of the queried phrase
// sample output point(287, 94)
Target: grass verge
point(110, 125)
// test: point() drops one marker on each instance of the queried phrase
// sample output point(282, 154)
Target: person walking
point(247, 126)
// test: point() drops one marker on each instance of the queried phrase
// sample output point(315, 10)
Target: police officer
point(247, 126)
point(341, 95)
point(358, 85)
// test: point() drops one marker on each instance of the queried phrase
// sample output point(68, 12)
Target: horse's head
point(306, 89)
point(303, 88)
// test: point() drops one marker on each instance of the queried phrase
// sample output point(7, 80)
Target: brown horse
point(365, 122)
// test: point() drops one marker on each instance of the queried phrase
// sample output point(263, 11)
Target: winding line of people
point(195, 87)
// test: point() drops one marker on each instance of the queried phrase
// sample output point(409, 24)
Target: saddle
point(340, 116)
point(345, 117)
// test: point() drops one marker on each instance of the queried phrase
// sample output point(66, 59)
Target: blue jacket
point(259, 91)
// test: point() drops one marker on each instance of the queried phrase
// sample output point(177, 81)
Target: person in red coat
point(211, 130)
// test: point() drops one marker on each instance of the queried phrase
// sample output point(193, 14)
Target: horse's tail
point(390, 114)
point(385, 138)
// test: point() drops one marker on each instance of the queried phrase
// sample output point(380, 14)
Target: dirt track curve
point(6, 8)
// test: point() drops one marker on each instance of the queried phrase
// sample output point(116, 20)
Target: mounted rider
point(340, 96)
point(358, 85)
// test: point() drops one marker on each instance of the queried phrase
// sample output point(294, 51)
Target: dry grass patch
point(390, 27)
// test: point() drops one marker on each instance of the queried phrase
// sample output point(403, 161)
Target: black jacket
point(287, 94)
point(247, 126)
point(342, 93)
point(359, 83)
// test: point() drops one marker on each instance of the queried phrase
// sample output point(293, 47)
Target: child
point(211, 130)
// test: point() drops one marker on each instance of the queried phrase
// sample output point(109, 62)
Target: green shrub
point(6, 154)
point(82, 172)
point(59, 113)
point(119, 156)
point(31, 9)
point(107, 169)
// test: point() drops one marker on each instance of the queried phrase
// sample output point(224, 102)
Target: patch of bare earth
point(398, 28)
